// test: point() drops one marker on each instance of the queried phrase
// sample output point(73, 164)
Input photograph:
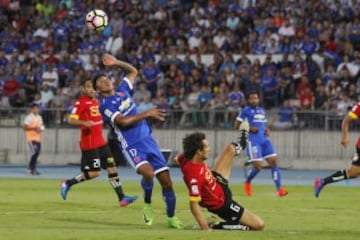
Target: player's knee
point(354, 172)
point(167, 185)
point(91, 174)
point(272, 161)
point(147, 175)
point(260, 226)
point(146, 172)
point(258, 166)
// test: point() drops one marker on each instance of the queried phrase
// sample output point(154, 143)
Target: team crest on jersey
point(195, 189)
point(121, 94)
point(137, 159)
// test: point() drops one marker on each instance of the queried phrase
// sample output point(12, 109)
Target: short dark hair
point(82, 82)
point(252, 93)
point(191, 143)
point(94, 81)
point(34, 104)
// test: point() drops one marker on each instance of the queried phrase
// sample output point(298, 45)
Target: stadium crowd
point(46, 50)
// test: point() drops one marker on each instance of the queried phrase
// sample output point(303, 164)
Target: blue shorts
point(258, 151)
point(146, 151)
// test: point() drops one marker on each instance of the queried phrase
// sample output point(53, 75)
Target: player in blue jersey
point(134, 137)
point(260, 146)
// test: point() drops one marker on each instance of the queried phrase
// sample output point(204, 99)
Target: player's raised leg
point(224, 161)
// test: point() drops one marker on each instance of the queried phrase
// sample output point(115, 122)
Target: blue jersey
point(260, 146)
point(123, 103)
point(255, 117)
point(138, 145)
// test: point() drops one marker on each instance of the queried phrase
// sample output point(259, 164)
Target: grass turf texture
point(33, 209)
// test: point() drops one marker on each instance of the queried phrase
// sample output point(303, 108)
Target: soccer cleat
point(64, 189)
point(282, 192)
point(34, 172)
point(174, 222)
point(148, 214)
point(244, 134)
point(248, 189)
point(126, 200)
point(318, 185)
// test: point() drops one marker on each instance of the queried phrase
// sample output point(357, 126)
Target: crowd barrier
point(315, 145)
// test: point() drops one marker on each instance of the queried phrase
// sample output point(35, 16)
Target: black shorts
point(95, 159)
point(231, 211)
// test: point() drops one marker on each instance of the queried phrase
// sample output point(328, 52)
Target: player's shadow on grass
point(81, 223)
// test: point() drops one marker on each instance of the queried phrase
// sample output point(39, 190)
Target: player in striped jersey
point(354, 170)
point(95, 152)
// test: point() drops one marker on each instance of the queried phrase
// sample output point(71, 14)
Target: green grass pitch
point(33, 209)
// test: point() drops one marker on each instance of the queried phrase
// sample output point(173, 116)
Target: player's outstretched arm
point(132, 72)
point(126, 121)
point(196, 212)
point(78, 122)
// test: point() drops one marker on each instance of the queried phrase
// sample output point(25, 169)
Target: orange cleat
point(281, 192)
point(248, 189)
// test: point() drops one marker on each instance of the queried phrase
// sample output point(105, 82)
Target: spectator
point(298, 67)
point(232, 20)
point(306, 99)
point(3, 59)
point(114, 43)
point(46, 8)
point(203, 105)
point(12, 90)
point(31, 85)
point(344, 105)
point(189, 106)
point(42, 31)
point(145, 104)
point(286, 117)
point(287, 30)
point(195, 40)
point(152, 77)
point(187, 65)
point(58, 103)
point(344, 79)
point(47, 95)
point(269, 88)
point(50, 77)
point(321, 99)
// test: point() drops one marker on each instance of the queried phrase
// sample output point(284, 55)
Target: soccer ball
point(96, 20)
